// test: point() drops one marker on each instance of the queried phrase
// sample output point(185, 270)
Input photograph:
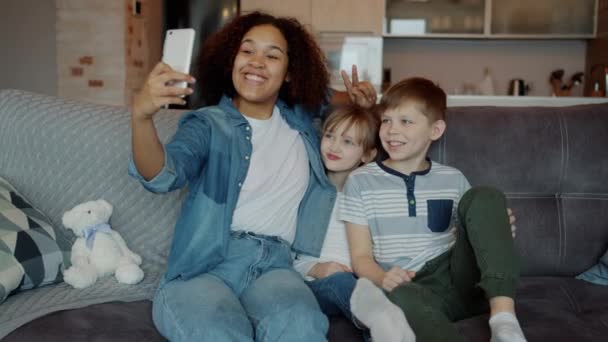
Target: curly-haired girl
point(257, 187)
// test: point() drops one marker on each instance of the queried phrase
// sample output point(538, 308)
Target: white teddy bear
point(98, 250)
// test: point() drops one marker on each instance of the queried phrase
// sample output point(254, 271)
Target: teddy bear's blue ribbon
point(89, 233)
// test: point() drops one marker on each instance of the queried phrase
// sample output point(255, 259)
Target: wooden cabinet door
point(602, 18)
point(299, 9)
point(356, 16)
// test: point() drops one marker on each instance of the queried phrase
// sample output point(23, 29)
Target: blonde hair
point(365, 121)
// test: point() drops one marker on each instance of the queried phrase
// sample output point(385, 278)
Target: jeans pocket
point(439, 214)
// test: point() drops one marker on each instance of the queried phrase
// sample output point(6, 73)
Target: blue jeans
point(253, 295)
point(333, 293)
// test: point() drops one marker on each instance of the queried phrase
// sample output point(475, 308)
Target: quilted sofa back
point(59, 153)
point(552, 162)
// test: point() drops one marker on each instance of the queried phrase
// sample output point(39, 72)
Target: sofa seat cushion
point(115, 321)
point(552, 309)
point(33, 253)
point(120, 321)
point(549, 308)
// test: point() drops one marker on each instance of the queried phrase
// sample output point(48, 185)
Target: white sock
point(385, 320)
point(505, 328)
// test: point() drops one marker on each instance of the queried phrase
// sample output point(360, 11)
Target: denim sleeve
point(185, 154)
point(162, 182)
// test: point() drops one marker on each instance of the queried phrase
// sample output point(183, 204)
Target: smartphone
point(177, 51)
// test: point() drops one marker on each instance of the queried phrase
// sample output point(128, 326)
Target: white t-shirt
point(335, 246)
point(276, 180)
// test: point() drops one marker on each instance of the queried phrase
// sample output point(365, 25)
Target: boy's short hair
point(366, 121)
point(430, 98)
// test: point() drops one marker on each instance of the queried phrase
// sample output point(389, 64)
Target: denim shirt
point(210, 153)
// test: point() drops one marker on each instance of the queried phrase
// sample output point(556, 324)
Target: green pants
point(457, 284)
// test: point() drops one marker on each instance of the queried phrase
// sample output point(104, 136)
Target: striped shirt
point(410, 217)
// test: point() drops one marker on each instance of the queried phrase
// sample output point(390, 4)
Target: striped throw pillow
point(33, 253)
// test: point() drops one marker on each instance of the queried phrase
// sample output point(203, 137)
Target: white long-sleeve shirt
point(335, 246)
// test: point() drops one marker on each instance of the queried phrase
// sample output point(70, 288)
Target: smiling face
point(341, 148)
point(260, 67)
point(406, 134)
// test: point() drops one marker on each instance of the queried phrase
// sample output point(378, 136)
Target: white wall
point(452, 63)
point(27, 45)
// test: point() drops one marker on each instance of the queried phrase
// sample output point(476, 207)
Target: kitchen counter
point(520, 101)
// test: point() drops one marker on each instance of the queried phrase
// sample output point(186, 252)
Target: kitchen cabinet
point(352, 16)
point(602, 18)
point(348, 31)
point(492, 19)
point(597, 53)
point(299, 9)
point(327, 16)
point(435, 17)
point(543, 17)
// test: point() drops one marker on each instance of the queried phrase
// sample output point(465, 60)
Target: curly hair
point(309, 77)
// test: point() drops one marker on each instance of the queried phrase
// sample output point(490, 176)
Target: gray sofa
point(551, 162)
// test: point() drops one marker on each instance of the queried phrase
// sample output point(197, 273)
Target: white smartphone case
point(177, 51)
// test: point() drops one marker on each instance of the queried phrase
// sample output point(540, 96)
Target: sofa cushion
point(119, 321)
point(552, 309)
point(111, 322)
point(32, 252)
point(576, 308)
point(551, 163)
point(59, 153)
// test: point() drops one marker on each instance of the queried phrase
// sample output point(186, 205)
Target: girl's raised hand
point(158, 90)
point(361, 93)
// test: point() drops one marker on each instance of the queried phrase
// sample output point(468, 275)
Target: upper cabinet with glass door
point(561, 18)
point(491, 18)
point(435, 17)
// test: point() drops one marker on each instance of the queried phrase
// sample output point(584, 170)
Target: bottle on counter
point(596, 90)
point(486, 86)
